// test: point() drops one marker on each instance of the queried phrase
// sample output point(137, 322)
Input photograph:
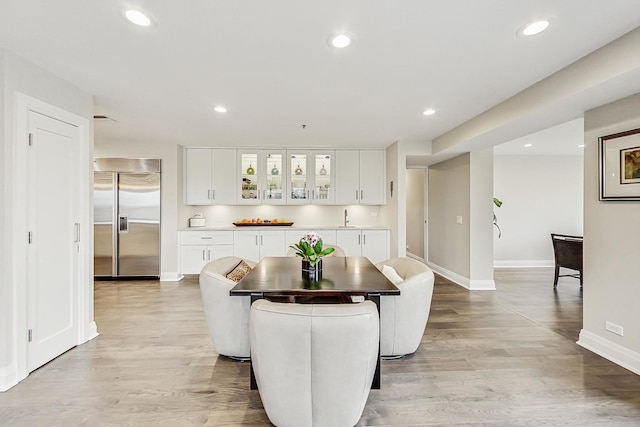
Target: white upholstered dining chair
point(403, 318)
point(227, 316)
point(314, 363)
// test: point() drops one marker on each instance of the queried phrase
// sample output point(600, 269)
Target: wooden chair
point(568, 254)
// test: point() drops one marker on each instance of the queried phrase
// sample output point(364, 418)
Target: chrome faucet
point(346, 218)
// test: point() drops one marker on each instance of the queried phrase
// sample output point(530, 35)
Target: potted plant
point(309, 248)
point(498, 203)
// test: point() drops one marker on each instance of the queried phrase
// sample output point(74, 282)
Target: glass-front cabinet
point(274, 168)
point(260, 177)
point(311, 177)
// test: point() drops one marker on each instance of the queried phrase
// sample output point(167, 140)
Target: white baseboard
point(472, 285)
point(416, 257)
point(171, 277)
point(8, 377)
point(483, 285)
point(522, 263)
point(616, 353)
point(92, 331)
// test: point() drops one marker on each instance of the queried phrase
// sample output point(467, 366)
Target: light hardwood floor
point(503, 358)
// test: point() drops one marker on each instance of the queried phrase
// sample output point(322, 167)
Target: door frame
point(425, 221)
point(87, 328)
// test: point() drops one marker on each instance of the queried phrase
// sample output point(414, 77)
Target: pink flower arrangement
point(310, 248)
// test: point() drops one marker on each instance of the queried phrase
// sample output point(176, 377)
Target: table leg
point(376, 376)
point(253, 385)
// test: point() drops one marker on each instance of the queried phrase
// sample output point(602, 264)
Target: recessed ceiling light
point(534, 28)
point(340, 40)
point(138, 18)
point(528, 145)
point(429, 112)
point(220, 109)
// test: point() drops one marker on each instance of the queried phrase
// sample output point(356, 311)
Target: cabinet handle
point(206, 238)
point(264, 194)
point(357, 195)
point(261, 241)
point(203, 258)
point(358, 239)
point(209, 255)
point(256, 240)
point(208, 194)
point(213, 194)
point(364, 239)
point(361, 195)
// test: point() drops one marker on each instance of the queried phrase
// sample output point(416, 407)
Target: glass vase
point(312, 271)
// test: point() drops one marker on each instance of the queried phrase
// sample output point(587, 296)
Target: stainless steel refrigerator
point(126, 217)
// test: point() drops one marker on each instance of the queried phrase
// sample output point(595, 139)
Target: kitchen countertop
point(286, 227)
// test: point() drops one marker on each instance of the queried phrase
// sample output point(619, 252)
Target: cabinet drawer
point(206, 238)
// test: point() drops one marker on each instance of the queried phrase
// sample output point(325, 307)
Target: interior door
point(52, 253)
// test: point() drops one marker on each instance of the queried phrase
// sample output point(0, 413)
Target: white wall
point(393, 213)
point(541, 195)
point(415, 212)
point(20, 76)
point(6, 292)
point(481, 220)
point(461, 189)
point(449, 197)
point(611, 247)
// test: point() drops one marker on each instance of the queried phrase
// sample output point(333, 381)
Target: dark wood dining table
point(282, 279)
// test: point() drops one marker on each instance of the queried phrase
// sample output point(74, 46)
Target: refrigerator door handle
point(123, 224)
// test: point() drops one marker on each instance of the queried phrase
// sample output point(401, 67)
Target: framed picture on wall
point(620, 166)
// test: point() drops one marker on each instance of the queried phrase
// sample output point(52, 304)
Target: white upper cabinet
point(311, 177)
point(226, 176)
point(261, 177)
point(360, 177)
point(209, 176)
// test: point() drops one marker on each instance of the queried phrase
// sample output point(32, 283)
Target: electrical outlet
point(459, 219)
point(616, 329)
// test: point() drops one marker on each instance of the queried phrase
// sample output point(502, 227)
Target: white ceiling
point(268, 62)
point(561, 140)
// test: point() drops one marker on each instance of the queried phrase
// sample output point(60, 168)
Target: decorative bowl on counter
point(257, 222)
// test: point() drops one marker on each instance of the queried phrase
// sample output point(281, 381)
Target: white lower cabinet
point(373, 244)
point(256, 244)
point(197, 248)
